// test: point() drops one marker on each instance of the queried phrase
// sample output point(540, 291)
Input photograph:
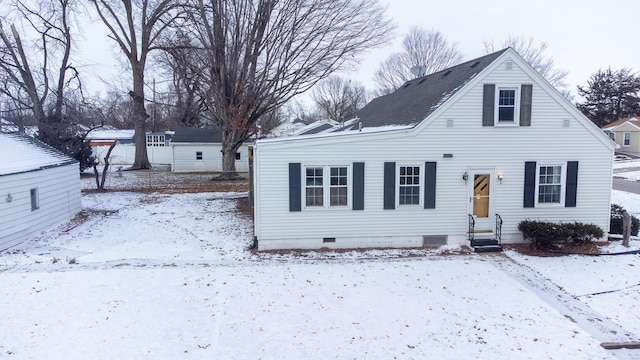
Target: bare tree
point(33, 83)
point(533, 53)
point(338, 98)
point(428, 49)
point(180, 59)
point(136, 26)
point(256, 55)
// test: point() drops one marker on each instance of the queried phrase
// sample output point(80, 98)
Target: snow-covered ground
point(157, 276)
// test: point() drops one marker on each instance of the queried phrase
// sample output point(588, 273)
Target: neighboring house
point(199, 149)
point(626, 133)
point(39, 188)
point(287, 128)
point(158, 149)
point(483, 143)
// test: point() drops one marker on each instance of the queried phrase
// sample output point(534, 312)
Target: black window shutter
point(488, 104)
point(525, 105)
point(389, 185)
point(358, 186)
point(430, 185)
point(295, 187)
point(572, 184)
point(529, 184)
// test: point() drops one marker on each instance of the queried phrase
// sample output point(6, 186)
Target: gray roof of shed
point(418, 98)
point(197, 135)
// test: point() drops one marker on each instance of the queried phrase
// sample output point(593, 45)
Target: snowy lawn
point(157, 276)
point(627, 169)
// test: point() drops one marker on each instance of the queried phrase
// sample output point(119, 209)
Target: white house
point(39, 188)
point(200, 149)
point(626, 133)
point(158, 149)
point(464, 153)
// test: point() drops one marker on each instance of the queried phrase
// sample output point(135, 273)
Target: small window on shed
point(35, 199)
point(238, 156)
point(199, 155)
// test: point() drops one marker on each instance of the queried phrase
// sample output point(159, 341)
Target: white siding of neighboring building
point(59, 199)
point(501, 149)
point(126, 154)
point(184, 157)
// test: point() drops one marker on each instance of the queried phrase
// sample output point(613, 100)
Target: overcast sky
point(582, 36)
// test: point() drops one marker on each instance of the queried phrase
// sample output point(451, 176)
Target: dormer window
point(507, 105)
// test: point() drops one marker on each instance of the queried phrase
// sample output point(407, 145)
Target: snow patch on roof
point(353, 132)
point(20, 153)
point(110, 134)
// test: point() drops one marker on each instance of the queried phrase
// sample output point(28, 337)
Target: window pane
point(409, 185)
point(506, 114)
point(314, 189)
point(338, 188)
point(314, 196)
point(507, 105)
point(550, 184)
point(338, 196)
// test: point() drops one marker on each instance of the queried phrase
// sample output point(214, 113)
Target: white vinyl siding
point(184, 157)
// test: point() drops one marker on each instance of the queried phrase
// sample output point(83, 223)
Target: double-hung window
point(326, 186)
point(549, 184)
point(627, 139)
point(409, 185)
point(507, 105)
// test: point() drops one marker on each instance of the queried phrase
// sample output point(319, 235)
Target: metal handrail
point(472, 224)
point(499, 228)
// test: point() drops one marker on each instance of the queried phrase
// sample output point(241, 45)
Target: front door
point(480, 200)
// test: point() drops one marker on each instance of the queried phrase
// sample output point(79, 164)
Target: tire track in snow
point(598, 326)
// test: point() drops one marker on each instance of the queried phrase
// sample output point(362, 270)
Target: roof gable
point(21, 153)
point(197, 135)
point(418, 98)
point(612, 126)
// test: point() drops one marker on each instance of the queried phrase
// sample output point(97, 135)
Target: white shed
point(39, 188)
point(464, 153)
point(200, 149)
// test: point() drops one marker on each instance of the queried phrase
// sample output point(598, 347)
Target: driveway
point(626, 185)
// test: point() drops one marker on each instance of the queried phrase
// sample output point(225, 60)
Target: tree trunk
point(229, 149)
point(141, 160)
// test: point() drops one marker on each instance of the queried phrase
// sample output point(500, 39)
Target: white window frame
point(201, 153)
point(516, 114)
point(612, 135)
point(326, 187)
point(626, 140)
point(420, 183)
point(156, 140)
point(563, 176)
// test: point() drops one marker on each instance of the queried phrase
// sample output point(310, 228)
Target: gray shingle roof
point(197, 135)
point(418, 98)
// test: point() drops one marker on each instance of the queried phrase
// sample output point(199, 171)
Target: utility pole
point(153, 112)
